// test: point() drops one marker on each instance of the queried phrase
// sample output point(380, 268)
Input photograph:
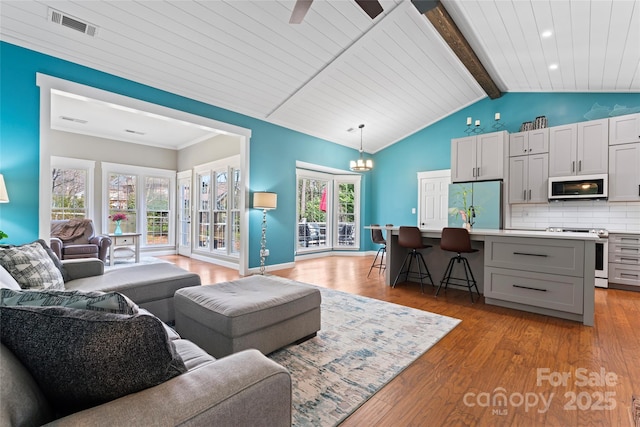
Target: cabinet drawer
point(552, 256)
point(624, 274)
point(124, 240)
point(623, 258)
point(562, 293)
point(631, 240)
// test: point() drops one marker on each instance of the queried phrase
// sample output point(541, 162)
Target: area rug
point(364, 343)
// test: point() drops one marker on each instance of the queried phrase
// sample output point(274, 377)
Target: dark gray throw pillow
point(83, 358)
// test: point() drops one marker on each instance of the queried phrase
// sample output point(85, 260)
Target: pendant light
point(361, 165)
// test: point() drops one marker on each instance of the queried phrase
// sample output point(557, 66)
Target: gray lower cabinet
point(545, 276)
point(624, 259)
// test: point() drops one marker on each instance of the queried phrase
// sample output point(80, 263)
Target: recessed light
point(546, 34)
point(553, 66)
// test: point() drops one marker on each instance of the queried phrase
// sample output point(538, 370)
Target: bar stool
point(457, 240)
point(378, 239)
point(411, 238)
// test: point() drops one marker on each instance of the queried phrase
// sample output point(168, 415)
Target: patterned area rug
point(364, 343)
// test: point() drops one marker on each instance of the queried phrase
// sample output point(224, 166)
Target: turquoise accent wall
point(395, 182)
point(388, 192)
point(274, 149)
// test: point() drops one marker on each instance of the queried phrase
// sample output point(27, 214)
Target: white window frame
point(89, 166)
point(141, 173)
point(228, 164)
point(334, 181)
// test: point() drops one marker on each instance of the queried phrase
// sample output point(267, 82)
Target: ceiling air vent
point(68, 21)
point(73, 119)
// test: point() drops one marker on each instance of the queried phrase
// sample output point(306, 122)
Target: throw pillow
point(83, 358)
point(7, 280)
point(109, 302)
point(31, 266)
point(52, 255)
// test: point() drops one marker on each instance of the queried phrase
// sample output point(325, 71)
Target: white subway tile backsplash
point(616, 216)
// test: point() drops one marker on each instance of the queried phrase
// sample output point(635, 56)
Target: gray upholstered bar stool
point(378, 239)
point(411, 238)
point(458, 240)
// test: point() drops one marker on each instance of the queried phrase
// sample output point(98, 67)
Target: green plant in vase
point(467, 211)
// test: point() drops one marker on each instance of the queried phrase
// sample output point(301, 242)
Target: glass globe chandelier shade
point(362, 164)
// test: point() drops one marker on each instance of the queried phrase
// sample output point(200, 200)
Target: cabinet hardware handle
point(629, 249)
point(529, 194)
point(529, 287)
point(478, 174)
point(627, 275)
point(474, 172)
point(630, 259)
point(524, 194)
point(579, 165)
point(527, 254)
point(573, 166)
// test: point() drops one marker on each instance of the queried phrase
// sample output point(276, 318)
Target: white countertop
point(480, 234)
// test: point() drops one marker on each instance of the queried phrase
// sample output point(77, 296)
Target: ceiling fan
point(372, 8)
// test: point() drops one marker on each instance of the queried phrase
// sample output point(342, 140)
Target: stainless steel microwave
point(579, 187)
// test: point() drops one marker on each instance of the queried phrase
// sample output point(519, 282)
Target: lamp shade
point(4, 197)
point(265, 200)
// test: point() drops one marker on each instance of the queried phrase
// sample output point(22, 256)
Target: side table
point(124, 242)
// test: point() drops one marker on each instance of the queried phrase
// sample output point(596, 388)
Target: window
point(328, 214)
point(146, 196)
point(218, 213)
point(71, 185)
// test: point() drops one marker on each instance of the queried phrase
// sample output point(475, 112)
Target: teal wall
point(388, 192)
point(394, 181)
point(274, 149)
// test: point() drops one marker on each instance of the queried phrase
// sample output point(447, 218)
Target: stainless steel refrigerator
point(484, 199)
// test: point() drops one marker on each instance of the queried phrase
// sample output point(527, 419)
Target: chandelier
point(361, 165)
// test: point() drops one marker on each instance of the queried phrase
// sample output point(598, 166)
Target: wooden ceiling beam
point(435, 12)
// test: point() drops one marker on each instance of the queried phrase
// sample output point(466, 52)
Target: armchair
point(76, 238)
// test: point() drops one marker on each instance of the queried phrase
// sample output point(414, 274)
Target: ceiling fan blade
point(372, 8)
point(299, 11)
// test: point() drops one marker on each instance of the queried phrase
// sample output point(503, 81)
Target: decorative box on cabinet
point(541, 276)
point(624, 129)
point(579, 148)
point(624, 172)
point(624, 259)
point(478, 157)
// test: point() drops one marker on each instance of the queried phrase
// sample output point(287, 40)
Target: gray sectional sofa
point(242, 389)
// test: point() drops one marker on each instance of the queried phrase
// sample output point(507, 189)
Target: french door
point(184, 213)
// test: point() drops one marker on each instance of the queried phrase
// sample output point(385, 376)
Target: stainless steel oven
point(602, 252)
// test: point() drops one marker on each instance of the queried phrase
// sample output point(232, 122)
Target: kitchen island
point(549, 273)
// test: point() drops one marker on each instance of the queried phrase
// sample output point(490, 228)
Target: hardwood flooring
point(499, 367)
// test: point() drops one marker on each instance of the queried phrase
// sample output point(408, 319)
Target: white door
point(433, 198)
point(184, 213)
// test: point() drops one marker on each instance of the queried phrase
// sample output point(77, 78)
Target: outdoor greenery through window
point(218, 207)
point(68, 193)
point(122, 199)
point(157, 203)
point(328, 215)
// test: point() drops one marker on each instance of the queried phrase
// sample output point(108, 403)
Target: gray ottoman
point(254, 312)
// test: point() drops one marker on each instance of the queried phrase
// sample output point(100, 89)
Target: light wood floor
point(493, 353)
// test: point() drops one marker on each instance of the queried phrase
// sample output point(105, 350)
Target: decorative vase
point(467, 225)
point(118, 230)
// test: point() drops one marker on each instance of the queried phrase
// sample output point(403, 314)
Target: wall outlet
point(264, 253)
point(413, 210)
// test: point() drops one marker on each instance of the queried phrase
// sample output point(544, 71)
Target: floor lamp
point(265, 201)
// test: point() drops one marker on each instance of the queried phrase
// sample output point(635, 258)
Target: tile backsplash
point(614, 216)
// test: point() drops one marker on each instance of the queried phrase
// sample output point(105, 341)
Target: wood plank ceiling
point(339, 68)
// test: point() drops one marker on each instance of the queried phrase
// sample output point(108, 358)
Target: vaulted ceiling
point(339, 68)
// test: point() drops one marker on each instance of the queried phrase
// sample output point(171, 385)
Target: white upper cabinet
point(624, 129)
point(528, 178)
point(579, 149)
point(478, 157)
point(530, 142)
point(624, 172)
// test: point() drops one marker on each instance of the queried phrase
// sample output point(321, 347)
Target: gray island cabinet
point(545, 276)
point(549, 273)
